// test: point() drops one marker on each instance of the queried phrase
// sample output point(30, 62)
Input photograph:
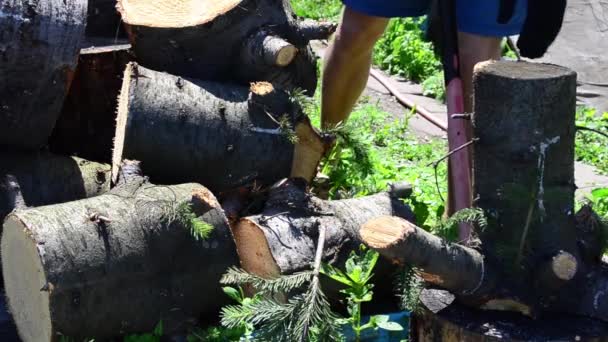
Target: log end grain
point(523, 71)
point(26, 286)
point(173, 13)
point(121, 121)
point(253, 249)
point(386, 231)
point(564, 266)
point(308, 151)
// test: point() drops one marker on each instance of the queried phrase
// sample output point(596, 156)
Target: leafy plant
point(359, 268)
point(402, 50)
point(599, 199)
point(317, 9)
point(591, 146)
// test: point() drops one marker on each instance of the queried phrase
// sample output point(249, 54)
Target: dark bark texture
point(87, 123)
point(440, 319)
point(42, 179)
point(524, 165)
point(209, 48)
point(39, 44)
point(283, 238)
point(103, 20)
point(221, 135)
point(117, 263)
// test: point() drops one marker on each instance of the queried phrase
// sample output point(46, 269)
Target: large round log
point(243, 40)
point(39, 44)
point(219, 134)
point(31, 180)
point(116, 263)
point(87, 123)
point(441, 319)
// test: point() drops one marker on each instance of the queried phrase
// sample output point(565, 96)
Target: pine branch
point(198, 228)
point(286, 283)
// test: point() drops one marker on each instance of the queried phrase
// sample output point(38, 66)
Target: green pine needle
point(200, 229)
point(286, 283)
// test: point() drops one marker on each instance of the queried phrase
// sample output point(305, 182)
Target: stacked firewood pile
point(203, 97)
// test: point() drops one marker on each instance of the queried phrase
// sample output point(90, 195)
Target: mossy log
point(39, 44)
point(246, 40)
point(31, 180)
point(87, 123)
point(219, 134)
point(282, 239)
point(116, 263)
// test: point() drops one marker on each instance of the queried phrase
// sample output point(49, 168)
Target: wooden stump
point(225, 40)
point(524, 165)
point(221, 135)
point(87, 123)
point(39, 44)
point(116, 263)
point(440, 319)
point(41, 179)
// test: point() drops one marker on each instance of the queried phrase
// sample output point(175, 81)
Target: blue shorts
point(473, 16)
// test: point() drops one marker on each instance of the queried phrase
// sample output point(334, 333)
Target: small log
point(264, 47)
point(221, 135)
point(282, 239)
point(440, 318)
point(42, 179)
point(451, 266)
point(209, 40)
point(87, 123)
point(116, 263)
point(314, 30)
point(39, 46)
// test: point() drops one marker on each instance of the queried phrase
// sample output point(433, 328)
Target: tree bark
point(221, 135)
point(87, 123)
point(39, 44)
point(116, 263)
point(103, 20)
point(441, 319)
point(451, 266)
point(524, 162)
point(282, 239)
point(209, 44)
point(41, 179)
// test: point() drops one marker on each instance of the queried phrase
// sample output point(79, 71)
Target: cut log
point(87, 123)
point(440, 318)
point(282, 239)
point(206, 39)
point(41, 179)
point(103, 20)
point(39, 44)
point(116, 263)
point(451, 266)
point(221, 135)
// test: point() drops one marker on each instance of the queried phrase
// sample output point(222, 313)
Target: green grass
point(592, 148)
point(317, 9)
